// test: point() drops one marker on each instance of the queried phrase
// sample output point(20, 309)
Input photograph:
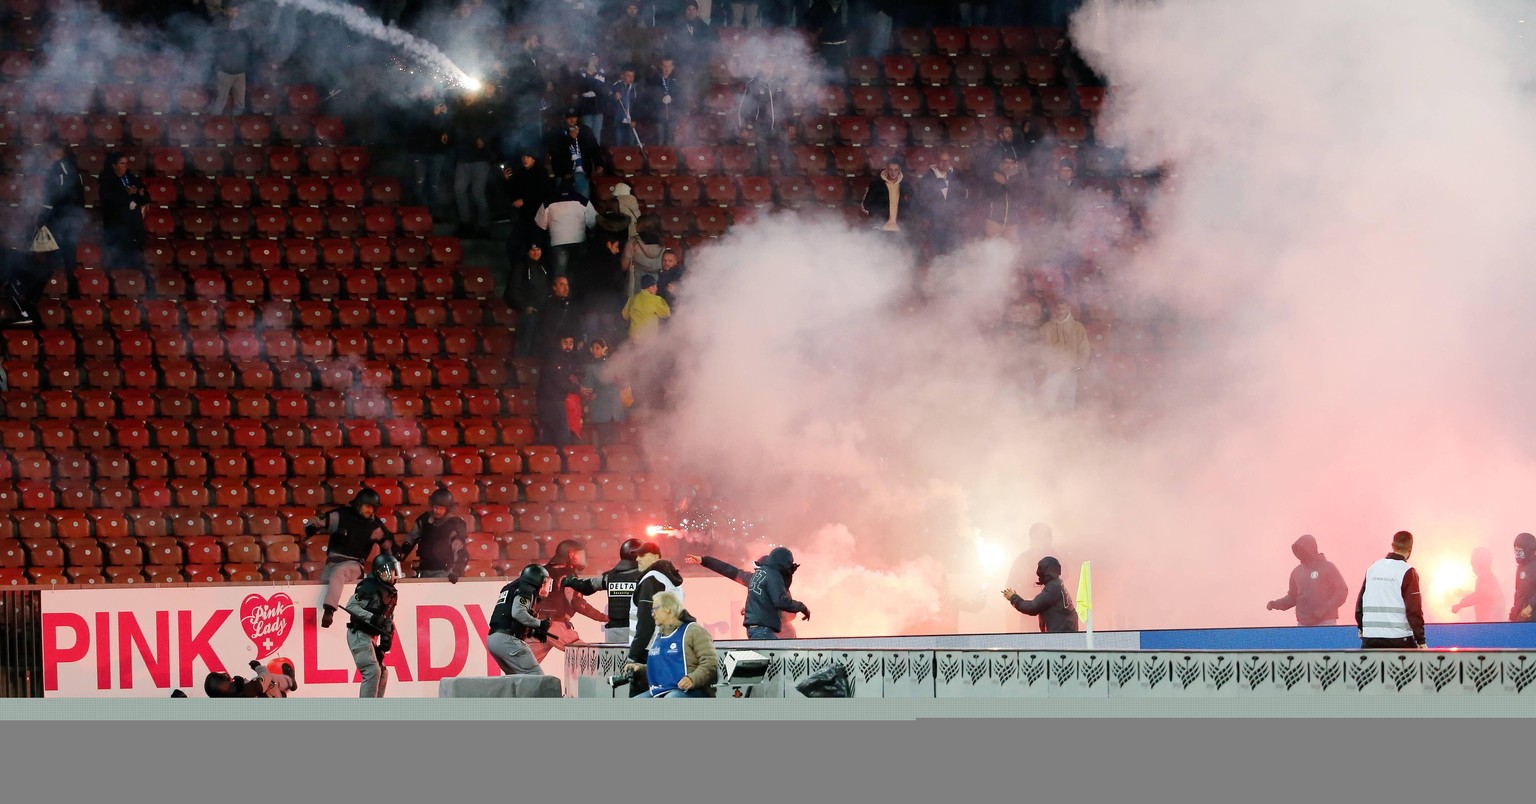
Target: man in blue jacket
point(768, 600)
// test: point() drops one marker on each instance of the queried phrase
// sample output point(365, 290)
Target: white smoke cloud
point(362, 22)
point(1342, 242)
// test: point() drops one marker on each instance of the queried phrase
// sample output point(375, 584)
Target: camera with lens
point(621, 679)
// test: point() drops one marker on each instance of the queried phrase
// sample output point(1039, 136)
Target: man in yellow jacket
point(645, 310)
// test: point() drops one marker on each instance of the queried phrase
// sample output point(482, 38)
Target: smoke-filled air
point(1327, 333)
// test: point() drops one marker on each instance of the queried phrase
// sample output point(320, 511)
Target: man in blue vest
point(681, 661)
point(1390, 610)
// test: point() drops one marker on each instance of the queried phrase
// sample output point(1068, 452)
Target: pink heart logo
point(267, 621)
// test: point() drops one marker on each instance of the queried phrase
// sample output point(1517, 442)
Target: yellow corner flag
point(1084, 593)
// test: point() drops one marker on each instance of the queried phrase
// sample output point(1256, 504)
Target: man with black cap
point(619, 584)
point(513, 622)
point(371, 633)
point(1389, 611)
point(770, 611)
point(656, 575)
point(1052, 605)
point(354, 530)
point(1524, 608)
point(1317, 589)
point(442, 537)
point(561, 605)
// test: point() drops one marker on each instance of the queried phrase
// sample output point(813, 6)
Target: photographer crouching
point(681, 661)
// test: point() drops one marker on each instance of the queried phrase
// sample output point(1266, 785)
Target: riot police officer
point(442, 538)
point(513, 621)
point(371, 633)
point(619, 583)
point(354, 530)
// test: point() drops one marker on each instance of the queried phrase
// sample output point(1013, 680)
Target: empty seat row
point(137, 87)
point(317, 373)
point(132, 314)
point(416, 451)
point(180, 131)
point(280, 524)
point(236, 223)
point(32, 418)
point(243, 493)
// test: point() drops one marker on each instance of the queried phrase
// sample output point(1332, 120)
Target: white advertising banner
point(136, 641)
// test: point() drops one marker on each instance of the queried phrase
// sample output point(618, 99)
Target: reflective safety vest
point(1383, 614)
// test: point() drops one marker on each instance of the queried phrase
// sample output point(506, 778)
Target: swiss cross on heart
point(267, 621)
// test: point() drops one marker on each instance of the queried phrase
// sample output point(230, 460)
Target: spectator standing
point(1487, 597)
point(474, 126)
point(566, 217)
point(1317, 590)
point(1524, 608)
point(644, 312)
point(527, 186)
point(1067, 353)
point(431, 153)
point(604, 393)
point(123, 198)
point(63, 205)
point(888, 200)
point(1052, 605)
point(528, 291)
point(231, 61)
point(559, 379)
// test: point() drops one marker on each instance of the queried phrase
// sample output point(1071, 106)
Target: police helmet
point(366, 496)
point(386, 567)
point(532, 579)
point(630, 549)
point(441, 497)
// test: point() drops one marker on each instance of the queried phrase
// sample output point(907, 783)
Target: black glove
point(568, 582)
point(453, 577)
point(255, 665)
point(805, 612)
point(379, 651)
point(312, 528)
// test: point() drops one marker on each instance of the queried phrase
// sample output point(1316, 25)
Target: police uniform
point(352, 539)
point(443, 550)
point(371, 633)
point(513, 622)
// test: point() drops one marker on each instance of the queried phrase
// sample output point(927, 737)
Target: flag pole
point(1085, 601)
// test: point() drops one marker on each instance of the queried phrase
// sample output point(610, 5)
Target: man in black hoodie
point(1317, 588)
point(768, 599)
point(1524, 609)
point(1052, 605)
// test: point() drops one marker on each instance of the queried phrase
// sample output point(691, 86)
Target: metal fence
point(21, 643)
